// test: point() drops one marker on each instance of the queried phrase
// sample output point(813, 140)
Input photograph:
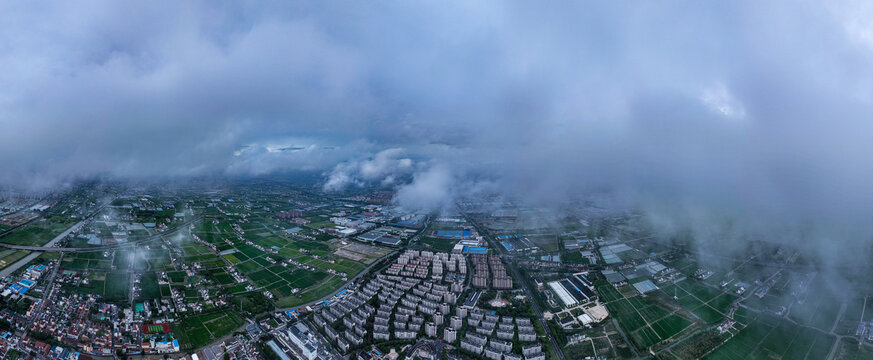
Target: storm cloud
point(759, 109)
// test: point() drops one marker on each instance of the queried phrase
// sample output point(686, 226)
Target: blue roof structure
point(409, 224)
point(454, 233)
point(475, 250)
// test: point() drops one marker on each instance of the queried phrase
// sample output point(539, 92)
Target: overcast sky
point(755, 107)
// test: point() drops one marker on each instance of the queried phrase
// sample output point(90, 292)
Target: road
point(46, 294)
point(38, 250)
point(519, 279)
point(362, 273)
point(48, 247)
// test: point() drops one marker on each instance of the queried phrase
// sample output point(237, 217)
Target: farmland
point(214, 261)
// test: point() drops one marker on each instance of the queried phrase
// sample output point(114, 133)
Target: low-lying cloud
point(750, 109)
point(383, 168)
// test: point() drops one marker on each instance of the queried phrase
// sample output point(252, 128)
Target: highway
point(49, 247)
point(37, 250)
point(518, 279)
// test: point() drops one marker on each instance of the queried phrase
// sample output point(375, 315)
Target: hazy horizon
point(756, 112)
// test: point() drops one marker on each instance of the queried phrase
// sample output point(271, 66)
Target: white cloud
point(431, 189)
point(383, 167)
point(719, 99)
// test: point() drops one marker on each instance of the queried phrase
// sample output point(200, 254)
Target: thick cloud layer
point(758, 109)
point(383, 168)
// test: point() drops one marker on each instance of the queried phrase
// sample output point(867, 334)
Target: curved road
point(362, 273)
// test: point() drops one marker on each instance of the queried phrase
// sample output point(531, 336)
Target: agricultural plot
point(87, 261)
point(708, 304)
point(698, 344)
point(177, 276)
point(232, 259)
point(9, 257)
point(36, 234)
point(646, 322)
point(259, 252)
point(148, 284)
point(849, 349)
point(96, 284)
point(819, 309)
point(437, 244)
point(248, 267)
point(346, 266)
point(848, 323)
point(574, 257)
point(197, 331)
point(220, 276)
point(263, 268)
point(322, 290)
point(607, 292)
point(117, 286)
point(775, 339)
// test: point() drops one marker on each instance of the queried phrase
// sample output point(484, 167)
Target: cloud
point(431, 189)
point(383, 168)
point(751, 109)
point(719, 99)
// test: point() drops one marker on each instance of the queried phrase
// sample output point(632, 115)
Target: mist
point(758, 113)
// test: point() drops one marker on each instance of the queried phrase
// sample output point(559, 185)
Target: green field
point(35, 234)
point(775, 339)
point(9, 257)
point(312, 294)
point(436, 244)
point(649, 319)
point(117, 286)
point(197, 331)
point(148, 283)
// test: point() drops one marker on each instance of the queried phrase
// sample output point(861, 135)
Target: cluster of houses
point(488, 270)
point(494, 335)
point(416, 299)
point(69, 320)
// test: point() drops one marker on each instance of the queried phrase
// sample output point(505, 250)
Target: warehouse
point(562, 293)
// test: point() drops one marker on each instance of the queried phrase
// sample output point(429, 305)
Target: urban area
point(279, 269)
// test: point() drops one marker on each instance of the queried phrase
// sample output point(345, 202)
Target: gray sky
point(754, 107)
